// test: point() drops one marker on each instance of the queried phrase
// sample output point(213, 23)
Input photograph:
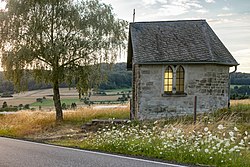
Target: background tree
point(60, 40)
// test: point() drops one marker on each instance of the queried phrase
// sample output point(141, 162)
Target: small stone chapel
point(174, 61)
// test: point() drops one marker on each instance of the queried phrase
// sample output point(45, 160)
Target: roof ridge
point(198, 20)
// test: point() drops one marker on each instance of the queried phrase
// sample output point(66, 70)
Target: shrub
point(39, 100)
point(26, 106)
point(64, 106)
point(5, 105)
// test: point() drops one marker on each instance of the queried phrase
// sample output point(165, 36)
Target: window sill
point(174, 95)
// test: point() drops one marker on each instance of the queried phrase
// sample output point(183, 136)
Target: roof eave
point(179, 63)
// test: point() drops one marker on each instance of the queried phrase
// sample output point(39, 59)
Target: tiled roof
point(185, 41)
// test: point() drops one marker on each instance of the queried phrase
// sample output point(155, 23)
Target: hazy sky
point(230, 19)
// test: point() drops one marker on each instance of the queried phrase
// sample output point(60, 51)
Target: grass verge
point(218, 139)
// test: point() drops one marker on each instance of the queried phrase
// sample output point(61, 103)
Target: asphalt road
point(17, 153)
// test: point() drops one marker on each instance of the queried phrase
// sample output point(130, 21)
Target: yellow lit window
point(168, 80)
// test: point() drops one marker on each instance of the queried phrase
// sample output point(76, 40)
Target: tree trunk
point(57, 102)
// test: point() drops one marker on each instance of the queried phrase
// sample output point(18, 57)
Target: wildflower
point(227, 144)
point(236, 129)
point(231, 133)
point(206, 129)
point(206, 150)
point(155, 122)
point(169, 135)
point(210, 157)
point(246, 133)
point(231, 150)
point(242, 142)
point(220, 127)
point(178, 131)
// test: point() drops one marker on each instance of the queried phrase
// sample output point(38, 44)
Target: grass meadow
point(221, 138)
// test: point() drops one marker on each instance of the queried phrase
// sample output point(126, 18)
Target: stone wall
point(208, 82)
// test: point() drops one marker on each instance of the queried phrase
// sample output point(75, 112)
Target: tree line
point(117, 77)
point(241, 89)
point(239, 78)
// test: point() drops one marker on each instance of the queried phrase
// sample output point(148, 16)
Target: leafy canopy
point(59, 40)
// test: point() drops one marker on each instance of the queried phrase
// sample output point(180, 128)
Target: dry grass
point(235, 102)
point(26, 123)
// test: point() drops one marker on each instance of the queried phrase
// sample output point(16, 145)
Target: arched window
point(168, 80)
point(180, 80)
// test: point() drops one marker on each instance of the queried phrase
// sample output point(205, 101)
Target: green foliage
point(9, 109)
point(5, 105)
point(64, 106)
point(26, 106)
point(240, 92)
point(117, 78)
point(239, 78)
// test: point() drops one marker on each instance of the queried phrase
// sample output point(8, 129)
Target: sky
point(230, 19)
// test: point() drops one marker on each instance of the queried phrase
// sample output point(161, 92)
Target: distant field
point(30, 97)
point(49, 102)
point(235, 102)
point(68, 96)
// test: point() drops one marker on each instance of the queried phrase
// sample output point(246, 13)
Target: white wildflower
point(169, 135)
point(232, 139)
point(236, 129)
point(231, 150)
point(231, 133)
point(206, 150)
point(246, 133)
point(242, 142)
point(206, 129)
point(227, 144)
point(220, 127)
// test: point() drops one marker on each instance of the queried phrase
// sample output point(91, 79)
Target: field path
point(29, 97)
